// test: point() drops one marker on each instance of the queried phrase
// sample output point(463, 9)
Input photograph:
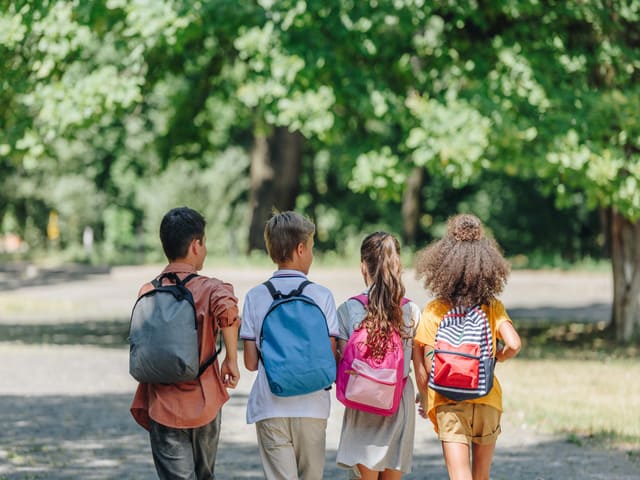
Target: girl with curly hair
point(464, 269)
point(375, 446)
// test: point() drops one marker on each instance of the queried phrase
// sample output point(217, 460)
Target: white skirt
point(376, 441)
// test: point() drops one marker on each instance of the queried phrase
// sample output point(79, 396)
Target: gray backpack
point(163, 334)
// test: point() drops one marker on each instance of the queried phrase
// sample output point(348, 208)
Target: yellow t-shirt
point(426, 334)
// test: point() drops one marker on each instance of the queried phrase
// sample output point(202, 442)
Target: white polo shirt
point(263, 404)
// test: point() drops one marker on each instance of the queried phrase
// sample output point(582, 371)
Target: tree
point(351, 111)
point(559, 83)
point(342, 75)
point(274, 179)
point(531, 89)
point(104, 94)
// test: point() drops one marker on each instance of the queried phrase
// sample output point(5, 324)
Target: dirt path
point(64, 408)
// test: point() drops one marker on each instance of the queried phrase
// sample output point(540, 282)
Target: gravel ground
point(64, 408)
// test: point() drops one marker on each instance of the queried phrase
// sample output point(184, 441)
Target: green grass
point(573, 380)
point(572, 341)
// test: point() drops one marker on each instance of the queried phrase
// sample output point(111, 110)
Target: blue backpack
point(295, 347)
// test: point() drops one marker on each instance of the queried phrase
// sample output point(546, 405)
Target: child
point(184, 419)
point(376, 446)
point(464, 269)
point(291, 430)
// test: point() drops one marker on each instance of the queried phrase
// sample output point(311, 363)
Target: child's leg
point(482, 456)
point(366, 474)
point(172, 451)
point(391, 475)
point(276, 448)
point(387, 474)
point(456, 457)
point(486, 428)
point(454, 431)
point(309, 441)
point(205, 447)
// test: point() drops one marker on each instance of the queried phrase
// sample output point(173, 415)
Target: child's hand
point(421, 410)
point(229, 373)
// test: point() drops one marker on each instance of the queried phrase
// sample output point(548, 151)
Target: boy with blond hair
point(291, 430)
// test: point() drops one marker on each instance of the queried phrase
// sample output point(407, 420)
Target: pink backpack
point(363, 383)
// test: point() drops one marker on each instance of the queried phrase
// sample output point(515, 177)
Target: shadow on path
point(547, 314)
point(18, 275)
point(93, 437)
point(108, 333)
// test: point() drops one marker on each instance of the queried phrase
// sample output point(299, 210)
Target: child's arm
point(511, 342)
point(229, 368)
point(422, 377)
point(250, 355)
point(340, 351)
point(224, 309)
point(334, 349)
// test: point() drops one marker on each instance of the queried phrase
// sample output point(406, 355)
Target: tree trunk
point(625, 261)
point(274, 179)
point(411, 206)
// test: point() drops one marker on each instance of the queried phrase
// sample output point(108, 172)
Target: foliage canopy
point(115, 110)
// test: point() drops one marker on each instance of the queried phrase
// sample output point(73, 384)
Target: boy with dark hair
point(184, 419)
point(178, 228)
point(291, 430)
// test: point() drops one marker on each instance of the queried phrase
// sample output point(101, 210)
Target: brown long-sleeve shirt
point(195, 403)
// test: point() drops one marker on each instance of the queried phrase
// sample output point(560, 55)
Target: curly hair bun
point(465, 228)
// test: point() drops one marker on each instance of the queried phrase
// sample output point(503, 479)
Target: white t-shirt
point(263, 404)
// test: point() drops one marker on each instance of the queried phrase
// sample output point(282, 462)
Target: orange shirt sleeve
point(498, 315)
point(224, 305)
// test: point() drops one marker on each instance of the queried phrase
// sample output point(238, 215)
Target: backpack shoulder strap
point(301, 287)
point(213, 357)
point(275, 294)
point(157, 282)
point(363, 298)
point(187, 278)
point(476, 311)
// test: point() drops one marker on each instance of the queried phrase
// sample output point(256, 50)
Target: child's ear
point(193, 246)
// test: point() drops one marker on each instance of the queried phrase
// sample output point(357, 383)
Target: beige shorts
point(468, 423)
point(292, 447)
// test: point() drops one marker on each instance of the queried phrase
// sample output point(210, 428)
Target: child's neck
point(291, 266)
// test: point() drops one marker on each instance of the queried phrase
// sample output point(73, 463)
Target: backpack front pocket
point(371, 386)
point(457, 366)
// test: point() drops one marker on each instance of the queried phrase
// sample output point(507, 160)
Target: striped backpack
point(463, 357)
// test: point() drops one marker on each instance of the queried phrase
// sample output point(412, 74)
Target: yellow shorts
point(468, 423)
